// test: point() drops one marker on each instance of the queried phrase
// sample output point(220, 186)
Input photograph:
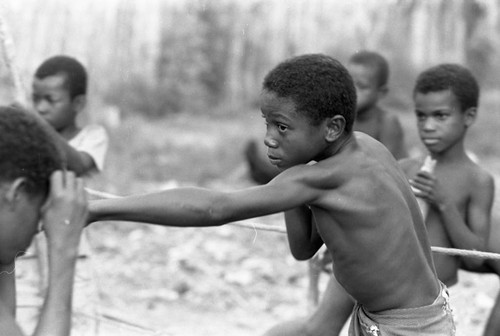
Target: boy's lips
point(273, 159)
point(430, 141)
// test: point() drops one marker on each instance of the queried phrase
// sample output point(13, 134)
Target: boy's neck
point(340, 145)
point(452, 154)
point(69, 132)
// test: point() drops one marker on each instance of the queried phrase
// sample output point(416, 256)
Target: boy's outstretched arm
point(182, 207)
point(177, 207)
point(198, 207)
point(303, 237)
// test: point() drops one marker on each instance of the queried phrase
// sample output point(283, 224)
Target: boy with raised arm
point(32, 189)
point(459, 192)
point(355, 199)
point(59, 95)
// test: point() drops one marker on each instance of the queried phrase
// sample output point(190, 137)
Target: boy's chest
point(456, 185)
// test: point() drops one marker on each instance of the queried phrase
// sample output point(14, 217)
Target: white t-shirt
point(93, 140)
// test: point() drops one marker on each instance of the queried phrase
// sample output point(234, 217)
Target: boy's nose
point(429, 124)
point(40, 107)
point(270, 142)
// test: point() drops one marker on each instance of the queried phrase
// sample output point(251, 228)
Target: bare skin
point(63, 216)
point(356, 193)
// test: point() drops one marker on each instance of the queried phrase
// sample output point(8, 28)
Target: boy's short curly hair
point(26, 150)
point(319, 85)
point(76, 75)
point(375, 61)
point(454, 77)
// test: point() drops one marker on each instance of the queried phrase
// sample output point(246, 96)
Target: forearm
point(55, 318)
point(72, 158)
point(303, 238)
point(183, 207)
point(8, 287)
point(461, 235)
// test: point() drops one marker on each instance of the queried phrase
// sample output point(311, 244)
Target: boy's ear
point(382, 91)
point(335, 126)
point(79, 102)
point(470, 116)
point(14, 190)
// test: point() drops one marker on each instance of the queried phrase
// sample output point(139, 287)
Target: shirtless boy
point(459, 192)
point(370, 73)
point(353, 199)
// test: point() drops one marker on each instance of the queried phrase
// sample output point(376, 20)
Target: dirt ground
point(472, 299)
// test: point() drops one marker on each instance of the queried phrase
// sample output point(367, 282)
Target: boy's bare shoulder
point(322, 174)
point(479, 176)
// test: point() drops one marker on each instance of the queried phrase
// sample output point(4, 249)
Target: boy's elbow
point(300, 257)
point(301, 254)
point(219, 212)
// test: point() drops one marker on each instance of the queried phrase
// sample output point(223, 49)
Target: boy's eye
point(421, 117)
point(282, 128)
point(441, 116)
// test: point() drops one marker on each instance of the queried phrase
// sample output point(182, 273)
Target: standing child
point(459, 192)
point(355, 199)
point(28, 160)
point(370, 72)
point(59, 95)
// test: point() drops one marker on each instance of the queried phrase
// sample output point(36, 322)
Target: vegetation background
point(176, 84)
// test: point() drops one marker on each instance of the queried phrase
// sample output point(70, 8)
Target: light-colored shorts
point(435, 319)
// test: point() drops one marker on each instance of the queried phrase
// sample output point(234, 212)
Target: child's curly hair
point(26, 150)
point(319, 85)
point(454, 77)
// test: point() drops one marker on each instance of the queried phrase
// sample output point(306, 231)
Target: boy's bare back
point(367, 216)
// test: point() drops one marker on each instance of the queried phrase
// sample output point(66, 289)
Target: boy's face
point(368, 91)
point(19, 217)
point(290, 137)
point(441, 122)
point(51, 99)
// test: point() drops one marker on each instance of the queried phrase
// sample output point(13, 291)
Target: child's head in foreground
point(370, 72)
point(446, 98)
point(27, 159)
point(59, 90)
point(301, 97)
